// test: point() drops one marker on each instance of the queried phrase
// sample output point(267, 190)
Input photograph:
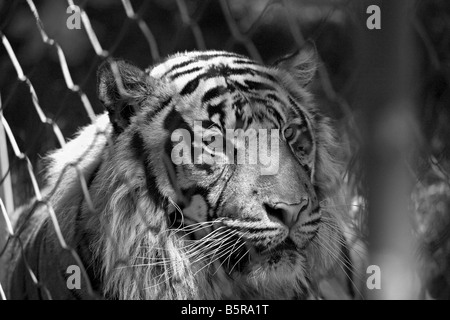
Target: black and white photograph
point(242, 151)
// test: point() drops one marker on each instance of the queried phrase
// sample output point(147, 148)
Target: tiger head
point(212, 187)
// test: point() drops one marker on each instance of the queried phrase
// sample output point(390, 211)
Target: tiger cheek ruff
point(168, 226)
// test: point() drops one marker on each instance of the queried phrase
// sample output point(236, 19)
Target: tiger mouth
point(286, 249)
point(253, 254)
point(238, 253)
point(286, 245)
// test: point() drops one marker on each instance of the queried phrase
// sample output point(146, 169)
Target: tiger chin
point(147, 227)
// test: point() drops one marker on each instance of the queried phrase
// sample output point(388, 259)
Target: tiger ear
point(121, 87)
point(302, 64)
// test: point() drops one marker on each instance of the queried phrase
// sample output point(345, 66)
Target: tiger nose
point(289, 214)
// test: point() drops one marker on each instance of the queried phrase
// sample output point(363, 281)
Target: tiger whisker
point(338, 260)
point(194, 242)
point(346, 272)
point(353, 227)
point(178, 209)
point(229, 258)
point(165, 281)
point(193, 230)
point(218, 220)
point(332, 236)
point(229, 255)
point(206, 238)
point(224, 241)
point(342, 205)
point(211, 262)
point(331, 223)
point(323, 243)
point(193, 227)
point(246, 252)
point(213, 253)
point(192, 253)
point(173, 231)
point(212, 237)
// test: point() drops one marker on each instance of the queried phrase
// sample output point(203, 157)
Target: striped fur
point(199, 231)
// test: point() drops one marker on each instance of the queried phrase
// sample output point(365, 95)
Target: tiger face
point(201, 126)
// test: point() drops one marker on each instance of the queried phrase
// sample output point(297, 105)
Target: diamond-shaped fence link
point(240, 31)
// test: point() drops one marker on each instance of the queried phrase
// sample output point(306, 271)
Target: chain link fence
point(47, 91)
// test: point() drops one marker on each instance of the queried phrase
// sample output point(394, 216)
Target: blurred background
point(387, 92)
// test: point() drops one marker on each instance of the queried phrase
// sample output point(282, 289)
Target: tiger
point(140, 224)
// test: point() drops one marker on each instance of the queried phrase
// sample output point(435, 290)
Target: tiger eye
point(289, 133)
